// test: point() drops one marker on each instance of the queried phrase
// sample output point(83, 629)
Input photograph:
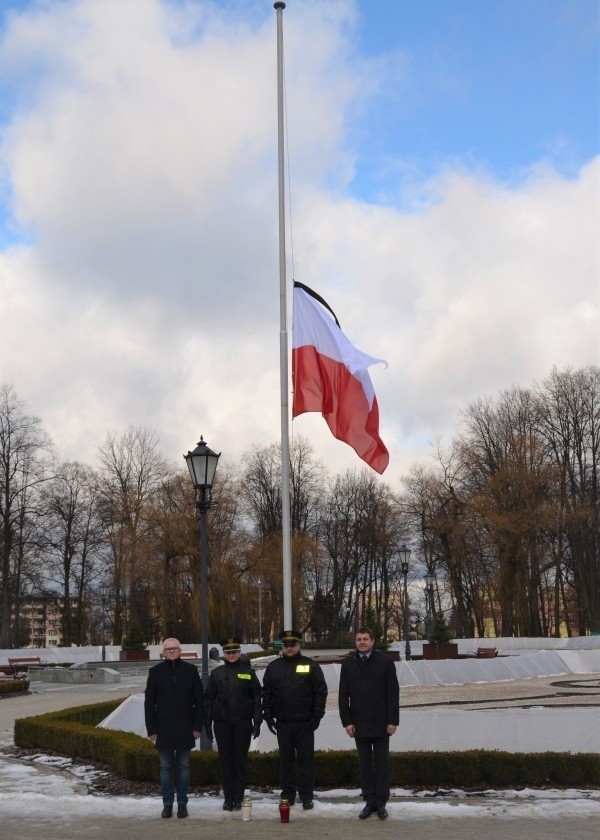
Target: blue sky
point(444, 164)
point(498, 85)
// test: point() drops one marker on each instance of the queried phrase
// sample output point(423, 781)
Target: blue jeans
point(166, 775)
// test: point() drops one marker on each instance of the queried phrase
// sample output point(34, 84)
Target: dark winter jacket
point(294, 689)
point(233, 694)
point(173, 704)
point(369, 695)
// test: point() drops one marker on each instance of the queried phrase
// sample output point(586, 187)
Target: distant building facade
point(39, 623)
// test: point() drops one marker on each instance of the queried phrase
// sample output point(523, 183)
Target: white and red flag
point(330, 375)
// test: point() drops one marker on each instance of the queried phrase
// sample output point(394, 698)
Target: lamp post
point(260, 611)
point(343, 620)
point(429, 602)
point(202, 464)
point(312, 618)
point(404, 558)
point(233, 603)
point(104, 591)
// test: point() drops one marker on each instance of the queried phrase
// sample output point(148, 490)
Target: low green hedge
point(13, 686)
point(73, 732)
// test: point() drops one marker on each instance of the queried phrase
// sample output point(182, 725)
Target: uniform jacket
point(233, 694)
point(173, 704)
point(294, 689)
point(369, 695)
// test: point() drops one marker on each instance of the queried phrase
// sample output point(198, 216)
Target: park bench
point(20, 665)
point(483, 653)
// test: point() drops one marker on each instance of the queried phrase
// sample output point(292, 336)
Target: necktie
point(364, 657)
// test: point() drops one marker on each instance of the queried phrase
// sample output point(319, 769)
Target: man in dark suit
point(369, 703)
point(173, 707)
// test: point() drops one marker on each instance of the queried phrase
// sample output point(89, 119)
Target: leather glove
point(208, 731)
point(256, 730)
point(271, 725)
point(315, 723)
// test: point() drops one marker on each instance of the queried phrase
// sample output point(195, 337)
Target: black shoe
point(366, 812)
point(308, 805)
point(228, 806)
point(237, 806)
point(167, 812)
point(182, 810)
point(291, 801)
point(382, 813)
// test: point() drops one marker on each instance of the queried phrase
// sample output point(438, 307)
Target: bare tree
point(74, 542)
point(361, 531)
point(569, 421)
point(132, 470)
point(508, 484)
point(260, 492)
point(25, 464)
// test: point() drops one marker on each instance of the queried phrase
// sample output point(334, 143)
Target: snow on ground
point(37, 788)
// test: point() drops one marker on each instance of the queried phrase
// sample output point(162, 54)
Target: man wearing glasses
point(232, 707)
point(294, 698)
point(173, 708)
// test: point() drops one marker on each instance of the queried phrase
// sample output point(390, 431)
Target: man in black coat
point(369, 703)
point(232, 707)
point(294, 698)
point(173, 708)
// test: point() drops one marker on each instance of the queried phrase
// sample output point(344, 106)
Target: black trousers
point(233, 742)
point(296, 738)
point(373, 757)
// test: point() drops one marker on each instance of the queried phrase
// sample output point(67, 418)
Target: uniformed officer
point(233, 708)
point(294, 698)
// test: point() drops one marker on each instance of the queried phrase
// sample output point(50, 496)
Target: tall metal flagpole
point(286, 527)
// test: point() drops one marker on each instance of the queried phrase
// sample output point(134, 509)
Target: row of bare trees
point(505, 518)
point(508, 516)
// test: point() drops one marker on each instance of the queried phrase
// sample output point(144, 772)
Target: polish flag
point(330, 375)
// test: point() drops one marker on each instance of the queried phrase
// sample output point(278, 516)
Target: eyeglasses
point(290, 644)
point(171, 649)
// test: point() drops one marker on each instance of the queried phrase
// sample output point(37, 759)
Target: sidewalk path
point(21, 828)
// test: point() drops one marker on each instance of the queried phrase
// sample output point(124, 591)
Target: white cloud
point(143, 159)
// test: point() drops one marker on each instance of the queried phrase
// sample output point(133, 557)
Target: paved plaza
point(571, 828)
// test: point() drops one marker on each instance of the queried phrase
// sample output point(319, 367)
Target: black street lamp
point(202, 464)
point(104, 593)
point(260, 611)
point(233, 597)
point(343, 619)
point(404, 558)
point(429, 584)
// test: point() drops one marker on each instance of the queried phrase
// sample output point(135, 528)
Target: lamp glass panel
point(188, 460)
point(199, 467)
